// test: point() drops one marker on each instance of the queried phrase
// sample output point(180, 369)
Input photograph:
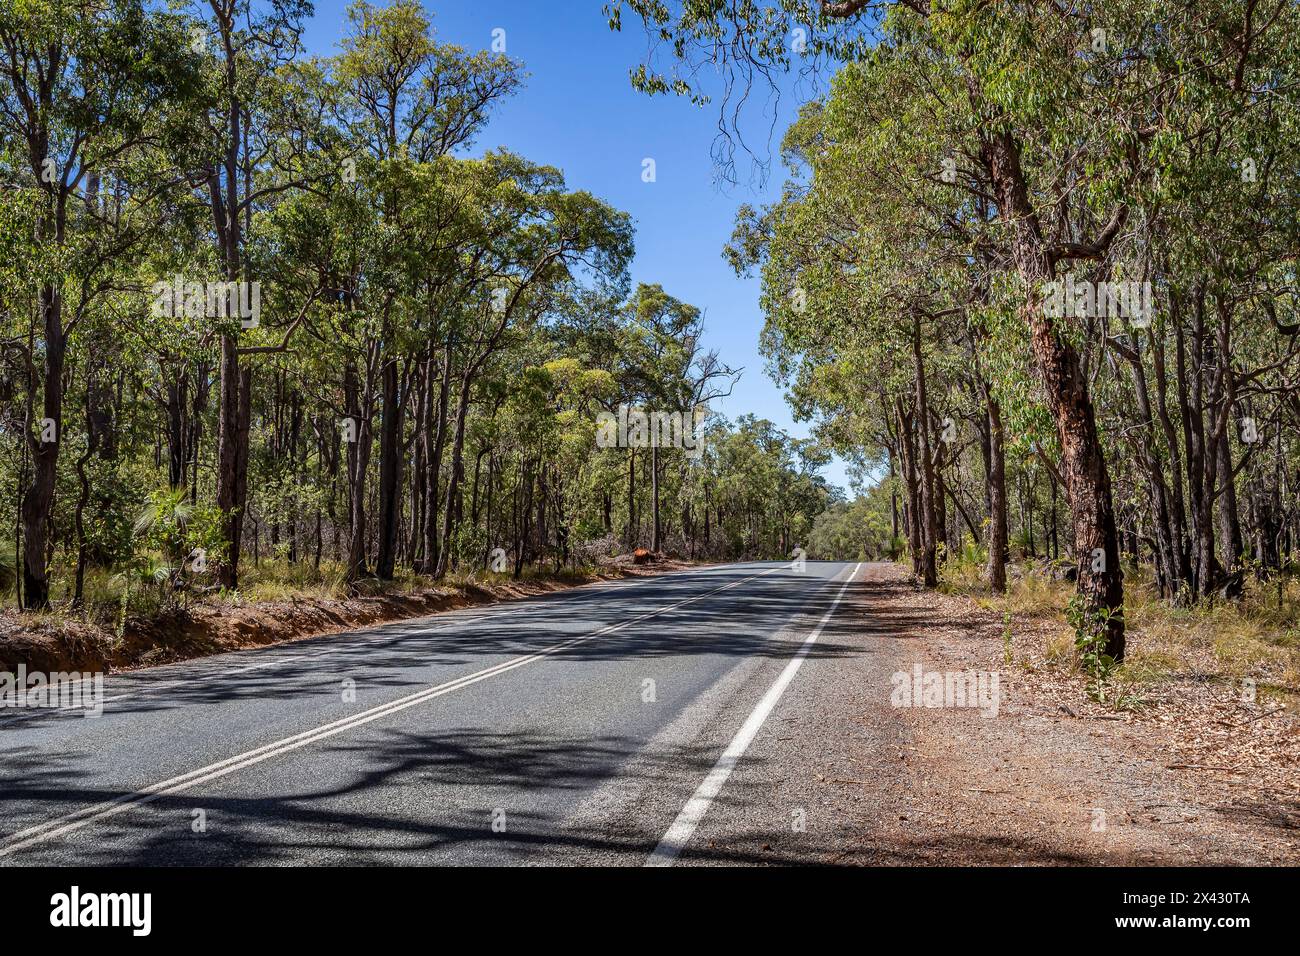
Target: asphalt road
point(606, 724)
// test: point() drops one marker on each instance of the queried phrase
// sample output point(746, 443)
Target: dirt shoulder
point(1195, 776)
point(61, 641)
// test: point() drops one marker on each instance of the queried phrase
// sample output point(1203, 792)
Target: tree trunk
point(1229, 524)
point(907, 442)
point(358, 465)
point(654, 497)
point(997, 486)
point(390, 470)
point(450, 512)
point(1087, 481)
point(38, 502)
point(929, 520)
point(1177, 503)
point(438, 439)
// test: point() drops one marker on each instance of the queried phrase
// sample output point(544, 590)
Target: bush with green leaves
point(178, 529)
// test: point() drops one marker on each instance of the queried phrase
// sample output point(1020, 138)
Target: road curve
point(597, 725)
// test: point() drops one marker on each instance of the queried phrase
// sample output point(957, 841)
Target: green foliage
point(177, 528)
point(8, 567)
point(1090, 636)
point(858, 530)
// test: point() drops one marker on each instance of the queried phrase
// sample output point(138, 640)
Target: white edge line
point(683, 827)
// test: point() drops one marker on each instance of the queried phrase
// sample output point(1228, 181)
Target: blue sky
point(578, 112)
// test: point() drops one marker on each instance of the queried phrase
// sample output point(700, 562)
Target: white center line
point(679, 834)
point(59, 826)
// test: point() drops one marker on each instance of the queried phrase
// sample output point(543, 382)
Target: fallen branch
point(1195, 766)
point(1267, 713)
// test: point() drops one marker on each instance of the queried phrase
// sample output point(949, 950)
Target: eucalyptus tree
point(246, 153)
point(1217, 234)
point(324, 249)
point(765, 490)
point(405, 98)
point(664, 368)
point(547, 416)
point(87, 93)
point(533, 239)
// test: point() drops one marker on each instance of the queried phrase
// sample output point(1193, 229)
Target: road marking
point(189, 680)
point(59, 826)
point(358, 640)
point(679, 834)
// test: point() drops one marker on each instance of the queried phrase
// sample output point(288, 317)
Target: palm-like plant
point(162, 521)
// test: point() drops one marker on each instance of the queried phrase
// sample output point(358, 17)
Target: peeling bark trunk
point(1096, 541)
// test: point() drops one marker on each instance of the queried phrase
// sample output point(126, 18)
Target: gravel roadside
point(843, 776)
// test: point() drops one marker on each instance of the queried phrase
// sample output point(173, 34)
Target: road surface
point(628, 722)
